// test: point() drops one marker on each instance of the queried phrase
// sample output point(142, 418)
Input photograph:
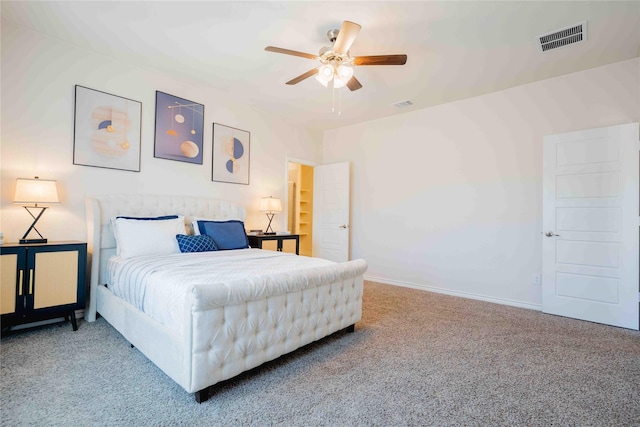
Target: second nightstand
point(256, 240)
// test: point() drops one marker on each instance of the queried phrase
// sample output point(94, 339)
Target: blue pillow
point(200, 243)
point(227, 234)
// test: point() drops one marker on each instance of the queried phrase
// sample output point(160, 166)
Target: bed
point(215, 326)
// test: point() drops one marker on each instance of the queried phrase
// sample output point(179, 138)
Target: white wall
point(449, 198)
point(38, 79)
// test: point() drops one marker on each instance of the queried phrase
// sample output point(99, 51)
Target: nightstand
point(42, 281)
point(256, 240)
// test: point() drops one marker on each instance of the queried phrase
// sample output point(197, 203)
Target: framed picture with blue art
point(179, 129)
point(106, 131)
point(230, 155)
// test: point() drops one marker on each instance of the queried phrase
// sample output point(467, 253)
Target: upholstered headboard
point(101, 244)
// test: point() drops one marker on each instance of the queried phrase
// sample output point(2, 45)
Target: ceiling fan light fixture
point(322, 81)
point(325, 73)
point(340, 75)
point(344, 72)
point(339, 82)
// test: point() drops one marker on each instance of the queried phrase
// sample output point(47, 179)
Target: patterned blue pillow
point(202, 243)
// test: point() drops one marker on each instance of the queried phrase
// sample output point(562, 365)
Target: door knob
point(344, 226)
point(550, 234)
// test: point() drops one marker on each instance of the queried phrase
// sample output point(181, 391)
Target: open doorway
point(300, 204)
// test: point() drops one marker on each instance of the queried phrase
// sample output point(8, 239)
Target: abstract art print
point(230, 155)
point(179, 129)
point(106, 130)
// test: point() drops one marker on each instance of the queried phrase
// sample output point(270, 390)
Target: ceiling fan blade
point(380, 60)
point(353, 84)
point(289, 52)
point(301, 77)
point(346, 37)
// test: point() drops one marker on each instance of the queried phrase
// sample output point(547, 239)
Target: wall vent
point(403, 104)
point(563, 37)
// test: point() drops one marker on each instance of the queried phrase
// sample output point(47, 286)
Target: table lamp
point(34, 192)
point(270, 205)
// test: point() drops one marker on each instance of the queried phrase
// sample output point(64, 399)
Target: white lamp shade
point(36, 191)
point(270, 204)
point(343, 75)
point(322, 81)
point(339, 82)
point(344, 72)
point(325, 73)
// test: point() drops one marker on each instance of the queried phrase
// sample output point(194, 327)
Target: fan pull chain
point(333, 99)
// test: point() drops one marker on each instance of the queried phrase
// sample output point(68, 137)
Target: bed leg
point(202, 395)
point(351, 328)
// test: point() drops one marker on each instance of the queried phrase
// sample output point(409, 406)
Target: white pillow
point(141, 237)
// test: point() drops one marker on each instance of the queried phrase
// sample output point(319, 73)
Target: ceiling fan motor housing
point(332, 35)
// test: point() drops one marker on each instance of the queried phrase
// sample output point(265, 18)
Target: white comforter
point(160, 285)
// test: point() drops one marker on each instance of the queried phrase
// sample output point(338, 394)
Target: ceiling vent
point(564, 37)
point(403, 104)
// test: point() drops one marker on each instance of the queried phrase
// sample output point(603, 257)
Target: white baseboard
point(445, 291)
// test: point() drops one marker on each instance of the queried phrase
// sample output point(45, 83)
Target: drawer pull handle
point(31, 281)
point(20, 283)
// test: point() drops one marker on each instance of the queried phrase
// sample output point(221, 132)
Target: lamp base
point(32, 241)
point(271, 233)
point(24, 240)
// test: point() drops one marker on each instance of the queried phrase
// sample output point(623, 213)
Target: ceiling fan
point(336, 68)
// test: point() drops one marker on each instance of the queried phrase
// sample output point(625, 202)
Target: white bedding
point(160, 285)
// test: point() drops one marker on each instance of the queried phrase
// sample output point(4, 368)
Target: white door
point(590, 225)
point(331, 184)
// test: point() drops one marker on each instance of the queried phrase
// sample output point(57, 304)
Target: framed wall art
point(230, 155)
point(106, 130)
point(179, 129)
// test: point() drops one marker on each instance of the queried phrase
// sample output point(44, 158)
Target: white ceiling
point(455, 49)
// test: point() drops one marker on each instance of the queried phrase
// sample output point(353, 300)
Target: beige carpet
point(417, 358)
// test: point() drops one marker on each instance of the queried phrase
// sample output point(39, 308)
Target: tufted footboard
point(231, 339)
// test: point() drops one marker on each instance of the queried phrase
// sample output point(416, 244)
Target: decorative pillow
point(136, 237)
point(226, 234)
point(194, 224)
point(202, 243)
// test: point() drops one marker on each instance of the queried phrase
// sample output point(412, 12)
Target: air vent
point(564, 37)
point(403, 104)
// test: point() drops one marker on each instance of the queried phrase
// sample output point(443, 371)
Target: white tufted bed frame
point(218, 341)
